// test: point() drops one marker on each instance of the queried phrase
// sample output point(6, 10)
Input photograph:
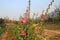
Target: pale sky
point(15, 8)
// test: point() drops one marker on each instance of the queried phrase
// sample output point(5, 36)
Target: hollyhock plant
point(42, 15)
point(23, 20)
point(23, 32)
point(35, 14)
point(27, 10)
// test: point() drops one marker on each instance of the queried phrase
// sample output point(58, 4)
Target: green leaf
point(51, 38)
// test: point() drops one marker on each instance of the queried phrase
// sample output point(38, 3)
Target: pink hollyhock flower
point(35, 14)
point(27, 10)
point(23, 20)
point(23, 32)
point(42, 15)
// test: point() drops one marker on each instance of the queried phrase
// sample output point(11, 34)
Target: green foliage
point(1, 20)
point(29, 30)
point(14, 31)
point(2, 29)
point(51, 38)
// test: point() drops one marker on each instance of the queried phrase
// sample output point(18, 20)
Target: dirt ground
point(52, 30)
point(52, 33)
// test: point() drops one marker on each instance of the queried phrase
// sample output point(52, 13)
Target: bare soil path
point(52, 33)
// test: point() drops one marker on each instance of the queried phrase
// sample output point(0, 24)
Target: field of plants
point(44, 27)
point(29, 30)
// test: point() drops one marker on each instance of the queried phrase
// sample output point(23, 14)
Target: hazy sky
point(15, 8)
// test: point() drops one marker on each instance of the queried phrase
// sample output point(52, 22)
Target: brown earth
point(52, 33)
